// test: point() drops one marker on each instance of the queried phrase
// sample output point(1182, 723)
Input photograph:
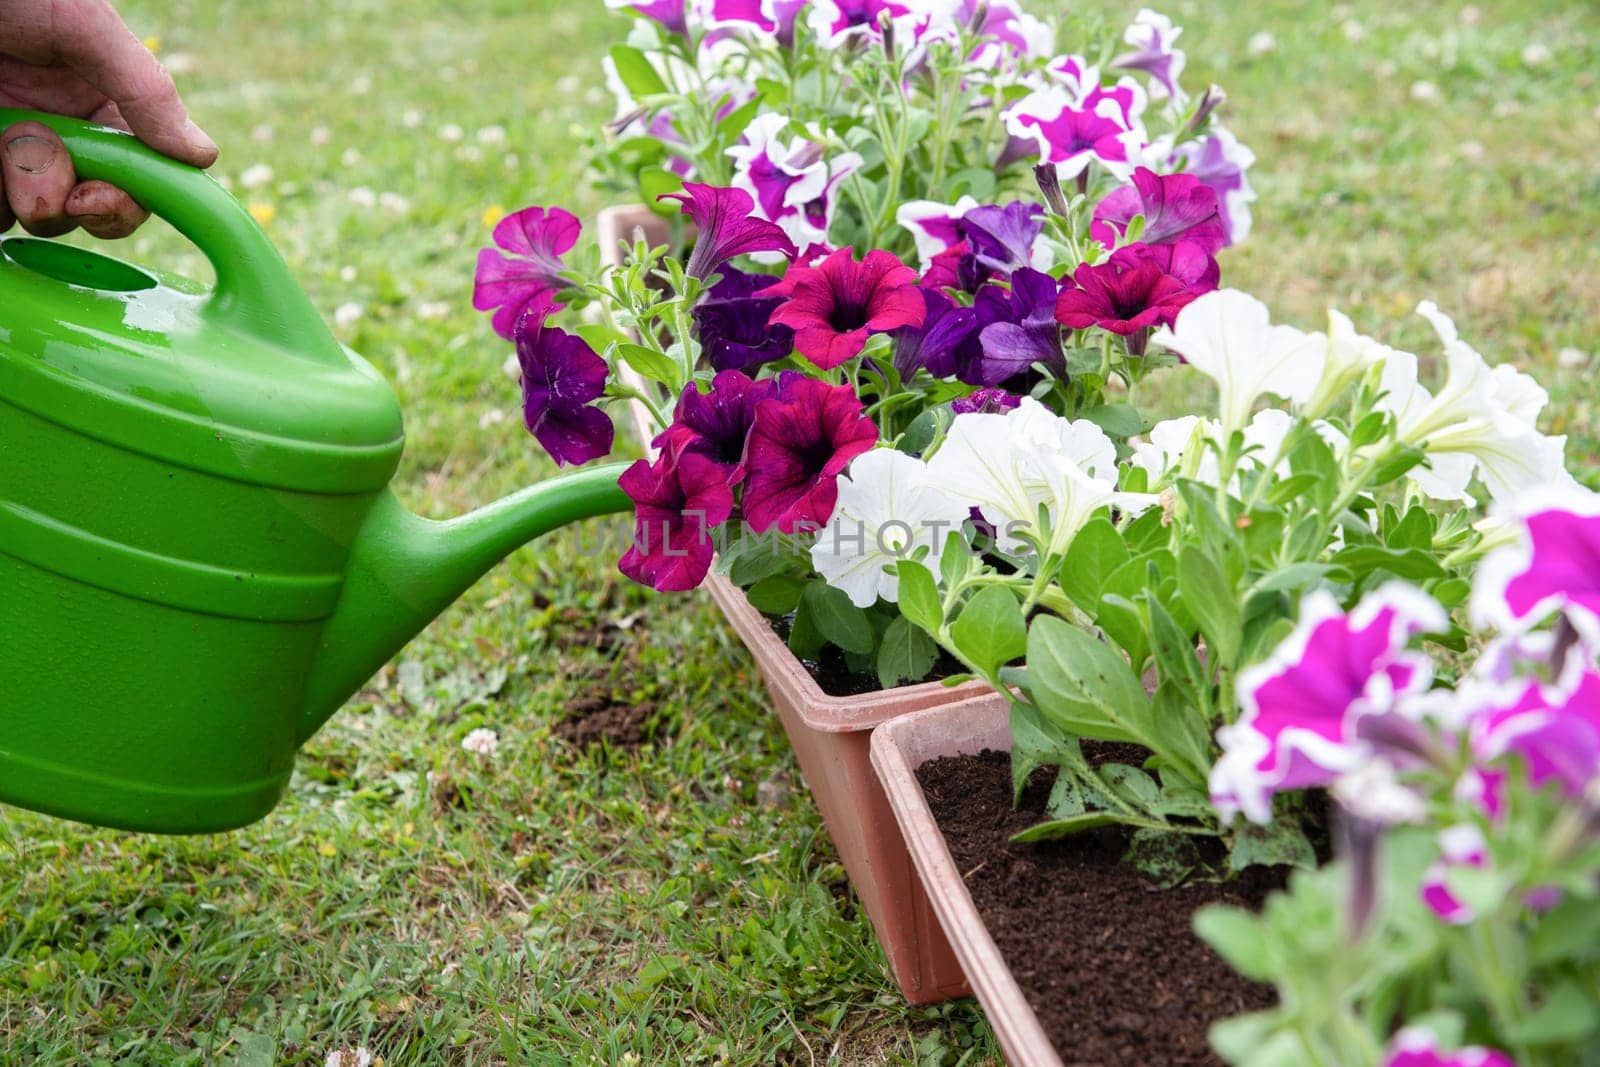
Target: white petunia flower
point(887, 509)
point(1228, 335)
point(1350, 356)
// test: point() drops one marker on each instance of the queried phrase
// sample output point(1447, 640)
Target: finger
point(95, 42)
point(7, 219)
point(38, 176)
point(104, 210)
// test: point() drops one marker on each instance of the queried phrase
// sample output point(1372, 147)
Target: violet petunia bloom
point(802, 440)
point(561, 376)
point(838, 23)
point(1126, 295)
point(834, 306)
point(716, 424)
point(1175, 207)
point(678, 501)
point(945, 340)
point(1220, 161)
point(1022, 329)
point(1072, 136)
point(985, 402)
point(1414, 1047)
point(1304, 713)
point(725, 227)
point(1152, 37)
point(536, 238)
point(669, 13)
point(733, 323)
point(1001, 238)
point(1553, 565)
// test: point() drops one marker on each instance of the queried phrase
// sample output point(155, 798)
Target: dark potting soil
point(832, 673)
point(1106, 958)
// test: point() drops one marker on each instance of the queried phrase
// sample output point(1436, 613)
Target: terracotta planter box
point(832, 740)
point(898, 749)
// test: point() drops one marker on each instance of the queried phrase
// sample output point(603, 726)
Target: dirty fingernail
point(32, 154)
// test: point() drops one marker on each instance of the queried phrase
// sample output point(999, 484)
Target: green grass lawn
point(677, 901)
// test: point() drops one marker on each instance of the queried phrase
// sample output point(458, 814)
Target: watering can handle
point(255, 292)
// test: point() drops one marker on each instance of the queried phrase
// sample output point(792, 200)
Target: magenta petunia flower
point(1071, 135)
point(670, 13)
point(1554, 564)
point(1553, 730)
point(1186, 261)
point(1220, 161)
point(716, 424)
point(1414, 1047)
point(1124, 296)
point(1305, 711)
point(802, 440)
point(536, 239)
point(725, 227)
point(834, 306)
point(561, 377)
point(1462, 845)
point(1175, 207)
point(678, 501)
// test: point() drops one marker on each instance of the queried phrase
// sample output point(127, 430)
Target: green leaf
point(1567, 1017)
point(919, 595)
point(805, 639)
point(635, 71)
point(656, 182)
point(1084, 686)
point(1132, 784)
point(1095, 553)
point(837, 619)
point(648, 362)
point(1570, 930)
point(1186, 802)
point(1294, 577)
point(1047, 831)
point(923, 429)
point(1066, 799)
point(1034, 743)
point(1257, 1040)
point(990, 631)
point(907, 654)
point(1276, 844)
point(1410, 563)
point(1239, 938)
point(1369, 430)
point(1165, 855)
point(1117, 420)
point(777, 594)
point(1216, 534)
point(1413, 531)
point(1212, 601)
point(1176, 661)
point(751, 559)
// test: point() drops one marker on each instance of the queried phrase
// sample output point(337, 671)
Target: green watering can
point(200, 557)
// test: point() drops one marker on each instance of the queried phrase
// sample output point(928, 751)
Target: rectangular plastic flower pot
point(898, 749)
point(832, 741)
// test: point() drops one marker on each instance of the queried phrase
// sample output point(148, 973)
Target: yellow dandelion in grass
point(493, 214)
point(153, 43)
point(262, 212)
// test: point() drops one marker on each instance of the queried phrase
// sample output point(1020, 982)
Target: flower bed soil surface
point(1106, 958)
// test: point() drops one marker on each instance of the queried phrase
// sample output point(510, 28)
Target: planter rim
point(898, 749)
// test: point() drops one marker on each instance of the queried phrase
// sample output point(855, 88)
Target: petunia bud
point(1210, 100)
point(1049, 181)
point(886, 29)
point(980, 17)
point(1358, 842)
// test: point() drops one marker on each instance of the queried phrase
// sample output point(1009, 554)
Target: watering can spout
point(405, 570)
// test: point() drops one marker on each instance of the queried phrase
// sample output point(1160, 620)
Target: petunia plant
point(1459, 928)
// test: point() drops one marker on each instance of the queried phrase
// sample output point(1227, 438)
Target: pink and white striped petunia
point(1304, 709)
point(1462, 845)
point(1414, 1047)
point(933, 226)
point(790, 181)
point(1073, 137)
point(1554, 730)
point(1152, 37)
point(1553, 565)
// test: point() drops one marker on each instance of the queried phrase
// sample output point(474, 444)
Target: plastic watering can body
point(200, 558)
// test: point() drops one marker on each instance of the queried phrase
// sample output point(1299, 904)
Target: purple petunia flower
point(944, 341)
point(536, 239)
point(985, 402)
point(1220, 161)
point(1126, 296)
point(1022, 329)
point(561, 376)
point(733, 323)
point(1152, 36)
point(1072, 136)
point(1174, 206)
point(802, 440)
point(832, 307)
point(1415, 1047)
point(725, 227)
point(670, 13)
point(1305, 710)
point(1001, 238)
point(677, 501)
point(716, 424)
point(838, 23)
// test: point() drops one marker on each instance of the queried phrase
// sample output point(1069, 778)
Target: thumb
point(92, 39)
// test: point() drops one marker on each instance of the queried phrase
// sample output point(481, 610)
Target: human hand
point(78, 58)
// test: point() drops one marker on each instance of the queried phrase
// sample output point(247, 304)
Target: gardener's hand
point(77, 58)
